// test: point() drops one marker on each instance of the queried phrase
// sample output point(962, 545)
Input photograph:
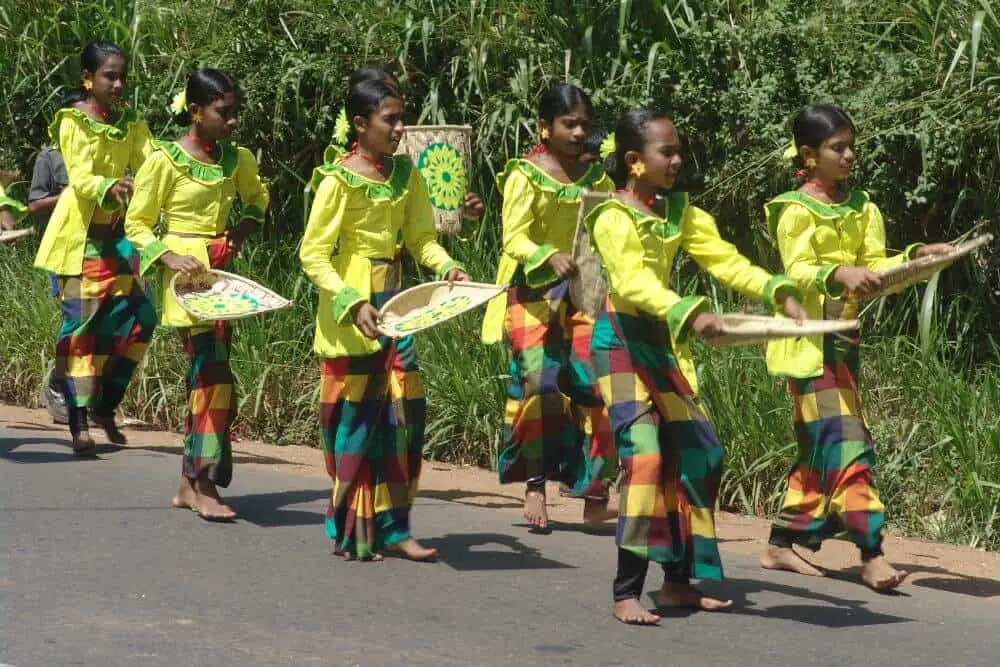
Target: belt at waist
point(195, 235)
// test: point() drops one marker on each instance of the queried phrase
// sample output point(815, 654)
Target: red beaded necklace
point(103, 113)
point(648, 201)
point(830, 190)
point(378, 164)
point(207, 147)
point(537, 149)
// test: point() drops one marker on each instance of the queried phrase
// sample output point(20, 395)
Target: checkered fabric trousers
point(671, 457)
point(555, 423)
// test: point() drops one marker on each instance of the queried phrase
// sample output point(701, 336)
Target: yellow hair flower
point(342, 127)
point(791, 151)
point(608, 146)
point(179, 103)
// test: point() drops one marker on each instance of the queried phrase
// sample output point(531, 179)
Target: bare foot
point(630, 612)
point(674, 594)
point(84, 446)
point(115, 437)
point(413, 550)
point(185, 498)
point(785, 558)
point(348, 557)
point(534, 509)
point(208, 503)
point(595, 510)
point(880, 576)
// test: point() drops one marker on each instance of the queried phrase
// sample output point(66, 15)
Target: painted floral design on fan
point(444, 174)
point(425, 317)
point(211, 305)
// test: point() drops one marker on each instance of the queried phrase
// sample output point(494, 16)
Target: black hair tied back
point(204, 86)
point(560, 99)
point(91, 58)
point(816, 123)
point(630, 135)
point(363, 99)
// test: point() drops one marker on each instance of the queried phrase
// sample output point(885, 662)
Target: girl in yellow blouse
point(555, 425)
point(11, 211)
point(107, 319)
point(193, 182)
point(671, 458)
point(371, 397)
point(831, 239)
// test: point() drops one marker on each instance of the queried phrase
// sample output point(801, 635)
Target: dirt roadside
point(945, 567)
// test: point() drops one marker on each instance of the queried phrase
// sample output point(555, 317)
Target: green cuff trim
point(448, 266)
point(780, 283)
point(537, 272)
point(102, 195)
point(911, 250)
point(681, 314)
point(150, 254)
point(345, 300)
point(253, 212)
point(16, 208)
point(825, 283)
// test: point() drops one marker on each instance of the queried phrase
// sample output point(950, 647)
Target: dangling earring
point(637, 169)
point(543, 134)
point(88, 85)
point(810, 163)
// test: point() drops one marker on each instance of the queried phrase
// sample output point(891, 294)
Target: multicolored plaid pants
point(372, 415)
point(555, 423)
point(107, 323)
point(671, 457)
point(211, 403)
point(830, 488)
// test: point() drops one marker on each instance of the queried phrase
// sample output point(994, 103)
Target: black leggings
point(631, 576)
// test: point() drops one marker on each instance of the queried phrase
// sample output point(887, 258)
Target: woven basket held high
point(441, 154)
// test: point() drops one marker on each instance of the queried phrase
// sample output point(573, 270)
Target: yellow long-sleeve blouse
point(354, 220)
point(96, 155)
point(539, 216)
point(195, 199)
point(16, 208)
point(814, 239)
point(638, 251)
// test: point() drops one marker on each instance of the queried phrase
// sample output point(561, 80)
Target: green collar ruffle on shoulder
point(117, 131)
point(203, 172)
point(564, 192)
point(664, 228)
point(390, 190)
point(855, 203)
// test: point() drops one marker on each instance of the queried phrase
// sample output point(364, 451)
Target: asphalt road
point(100, 571)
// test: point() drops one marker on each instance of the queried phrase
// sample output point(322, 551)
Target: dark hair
point(374, 72)
point(560, 99)
point(593, 144)
point(203, 87)
point(92, 57)
point(364, 99)
point(630, 135)
point(816, 123)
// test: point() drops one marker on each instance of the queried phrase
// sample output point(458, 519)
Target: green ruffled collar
point(390, 190)
point(565, 192)
point(203, 172)
point(855, 203)
point(117, 131)
point(664, 228)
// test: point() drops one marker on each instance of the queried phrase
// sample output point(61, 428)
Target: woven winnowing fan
point(738, 329)
point(922, 268)
point(588, 288)
point(429, 304)
point(15, 234)
point(441, 154)
point(218, 295)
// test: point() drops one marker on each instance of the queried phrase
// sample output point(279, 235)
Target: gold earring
point(637, 169)
point(544, 134)
point(810, 163)
point(197, 118)
point(88, 84)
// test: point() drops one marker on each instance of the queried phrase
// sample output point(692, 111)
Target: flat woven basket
point(739, 329)
point(218, 295)
point(588, 288)
point(441, 153)
point(428, 304)
point(16, 234)
point(922, 268)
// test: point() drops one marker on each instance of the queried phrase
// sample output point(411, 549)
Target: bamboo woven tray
point(588, 288)
point(16, 234)
point(429, 304)
point(922, 268)
point(741, 329)
point(218, 295)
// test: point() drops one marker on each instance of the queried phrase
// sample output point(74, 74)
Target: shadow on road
point(490, 551)
point(269, 510)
